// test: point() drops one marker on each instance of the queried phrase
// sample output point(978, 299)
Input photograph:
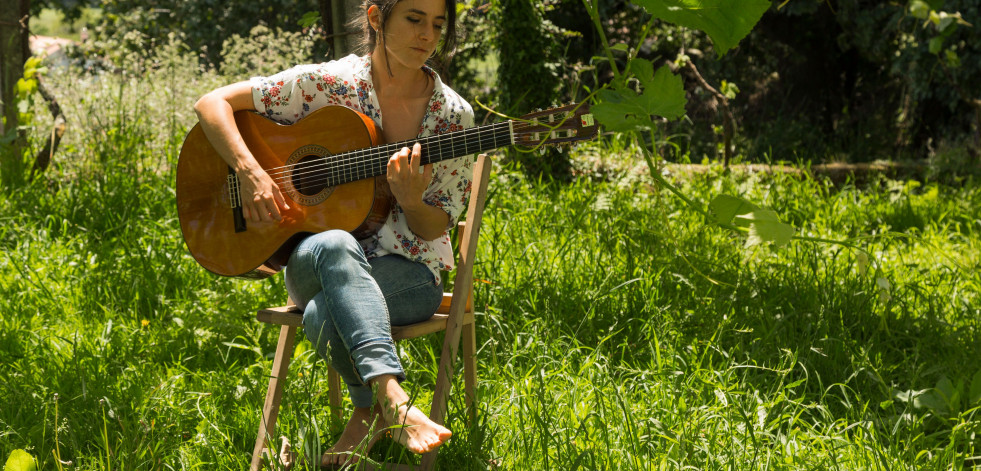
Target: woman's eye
point(439, 27)
point(413, 20)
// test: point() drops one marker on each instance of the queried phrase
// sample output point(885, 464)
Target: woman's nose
point(426, 32)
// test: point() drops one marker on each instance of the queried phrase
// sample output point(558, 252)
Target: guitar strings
point(357, 166)
point(381, 153)
point(384, 151)
point(357, 156)
point(375, 159)
point(357, 162)
point(330, 178)
point(341, 174)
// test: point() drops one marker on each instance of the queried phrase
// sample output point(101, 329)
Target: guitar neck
point(373, 161)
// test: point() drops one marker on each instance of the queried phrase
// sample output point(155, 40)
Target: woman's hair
point(369, 38)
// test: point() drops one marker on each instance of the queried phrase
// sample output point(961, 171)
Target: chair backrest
point(470, 232)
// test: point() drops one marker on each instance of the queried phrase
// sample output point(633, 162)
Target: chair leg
point(334, 392)
point(428, 461)
point(274, 395)
point(444, 379)
point(469, 335)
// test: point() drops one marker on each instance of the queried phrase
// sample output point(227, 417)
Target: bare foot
point(413, 430)
point(287, 458)
point(409, 426)
point(351, 445)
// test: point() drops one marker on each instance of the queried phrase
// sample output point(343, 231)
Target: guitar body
point(217, 235)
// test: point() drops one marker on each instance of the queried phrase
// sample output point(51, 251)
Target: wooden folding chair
point(455, 316)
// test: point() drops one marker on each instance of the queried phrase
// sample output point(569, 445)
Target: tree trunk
point(344, 41)
point(327, 23)
point(14, 51)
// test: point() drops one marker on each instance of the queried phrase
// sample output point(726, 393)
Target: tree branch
point(43, 158)
point(728, 119)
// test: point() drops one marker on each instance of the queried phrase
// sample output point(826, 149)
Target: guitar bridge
point(234, 198)
point(235, 201)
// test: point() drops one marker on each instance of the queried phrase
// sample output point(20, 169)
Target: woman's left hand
point(407, 178)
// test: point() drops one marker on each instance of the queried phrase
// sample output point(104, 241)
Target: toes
point(329, 459)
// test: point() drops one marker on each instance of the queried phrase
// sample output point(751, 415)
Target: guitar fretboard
point(373, 161)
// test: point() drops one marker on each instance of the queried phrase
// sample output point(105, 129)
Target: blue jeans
point(350, 303)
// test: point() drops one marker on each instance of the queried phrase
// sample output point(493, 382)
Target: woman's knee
point(332, 248)
point(332, 241)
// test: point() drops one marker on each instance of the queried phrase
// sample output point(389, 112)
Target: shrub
point(205, 25)
point(264, 51)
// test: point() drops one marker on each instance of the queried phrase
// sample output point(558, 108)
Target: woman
point(352, 291)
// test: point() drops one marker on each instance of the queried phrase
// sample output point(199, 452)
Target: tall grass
point(617, 331)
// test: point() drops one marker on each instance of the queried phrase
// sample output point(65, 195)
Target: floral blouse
point(292, 94)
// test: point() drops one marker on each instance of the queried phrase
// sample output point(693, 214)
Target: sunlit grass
point(617, 330)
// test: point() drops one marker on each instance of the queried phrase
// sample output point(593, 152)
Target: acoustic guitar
point(330, 167)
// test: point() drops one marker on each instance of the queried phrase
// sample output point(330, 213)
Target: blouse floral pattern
point(292, 94)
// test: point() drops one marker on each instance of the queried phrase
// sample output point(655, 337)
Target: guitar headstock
point(569, 123)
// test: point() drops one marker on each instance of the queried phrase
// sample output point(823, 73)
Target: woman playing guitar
point(352, 291)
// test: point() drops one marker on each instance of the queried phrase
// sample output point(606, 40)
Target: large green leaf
point(975, 391)
point(765, 226)
point(20, 460)
point(725, 208)
point(623, 109)
point(725, 21)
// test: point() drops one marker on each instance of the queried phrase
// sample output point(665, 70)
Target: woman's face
point(412, 31)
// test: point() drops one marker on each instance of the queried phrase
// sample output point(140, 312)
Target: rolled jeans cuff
point(377, 358)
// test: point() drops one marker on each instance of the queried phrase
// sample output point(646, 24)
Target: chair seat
point(293, 316)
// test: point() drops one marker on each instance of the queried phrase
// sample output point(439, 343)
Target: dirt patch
point(837, 172)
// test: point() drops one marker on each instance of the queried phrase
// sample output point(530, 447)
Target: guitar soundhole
point(309, 176)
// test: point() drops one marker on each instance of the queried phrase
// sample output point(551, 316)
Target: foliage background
point(816, 80)
point(671, 346)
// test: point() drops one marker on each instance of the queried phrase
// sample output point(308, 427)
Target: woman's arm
point(261, 197)
point(408, 185)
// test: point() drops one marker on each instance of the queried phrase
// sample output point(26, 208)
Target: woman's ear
point(374, 17)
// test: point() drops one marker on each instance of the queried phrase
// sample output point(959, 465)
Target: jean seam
point(379, 340)
point(389, 295)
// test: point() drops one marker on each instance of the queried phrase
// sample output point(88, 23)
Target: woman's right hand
point(261, 198)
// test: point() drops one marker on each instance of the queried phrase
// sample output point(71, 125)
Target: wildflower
point(885, 289)
point(863, 262)
point(144, 323)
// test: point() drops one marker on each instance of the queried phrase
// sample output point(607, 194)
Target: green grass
point(617, 330)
